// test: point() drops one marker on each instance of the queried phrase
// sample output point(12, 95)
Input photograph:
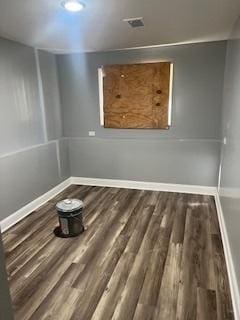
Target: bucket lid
point(69, 205)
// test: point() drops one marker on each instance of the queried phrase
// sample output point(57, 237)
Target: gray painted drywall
point(27, 175)
point(20, 113)
point(171, 161)
point(51, 96)
point(6, 312)
point(197, 102)
point(30, 165)
point(230, 163)
point(64, 164)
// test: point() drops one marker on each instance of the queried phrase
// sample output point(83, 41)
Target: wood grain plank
point(224, 304)
point(206, 304)
point(168, 296)
point(186, 304)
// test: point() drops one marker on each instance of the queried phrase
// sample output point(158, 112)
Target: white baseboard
point(229, 261)
point(8, 222)
point(142, 185)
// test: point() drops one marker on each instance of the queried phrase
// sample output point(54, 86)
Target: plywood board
point(137, 95)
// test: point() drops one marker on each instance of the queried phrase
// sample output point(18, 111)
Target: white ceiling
point(45, 24)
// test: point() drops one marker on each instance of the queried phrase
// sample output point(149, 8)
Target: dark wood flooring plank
point(215, 228)
point(186, 304)
point(168, 296)
point(145, 312)
point(206, 304)
point(152, 281)
point(224, 304)
point(168, 291)
point(206, 260)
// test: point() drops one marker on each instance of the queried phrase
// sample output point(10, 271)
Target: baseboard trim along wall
point(17, 216)
point(141, 185)
point(229, 260)
point(20, 214)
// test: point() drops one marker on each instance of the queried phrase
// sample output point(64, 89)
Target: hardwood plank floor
point(145, 255)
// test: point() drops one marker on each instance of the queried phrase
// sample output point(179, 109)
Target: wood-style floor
point(144, 256)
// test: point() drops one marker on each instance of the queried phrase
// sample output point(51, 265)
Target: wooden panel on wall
point(136, 95)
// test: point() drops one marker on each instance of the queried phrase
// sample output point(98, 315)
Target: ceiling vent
point(135, 22)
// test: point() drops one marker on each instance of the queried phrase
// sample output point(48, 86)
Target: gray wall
point(230, 163)
point(188, 153)
point(26, 175)
point(33, 154)
point(20, 113)
point(48, 70)
point(5, 300)
point(167, 161)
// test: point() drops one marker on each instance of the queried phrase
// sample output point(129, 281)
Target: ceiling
point(45, 24)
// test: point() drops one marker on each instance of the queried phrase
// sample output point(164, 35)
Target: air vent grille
point(135, 22)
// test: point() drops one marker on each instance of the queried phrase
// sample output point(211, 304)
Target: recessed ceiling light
point(73, 5)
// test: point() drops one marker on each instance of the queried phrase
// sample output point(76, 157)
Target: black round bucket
point(70, 218)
